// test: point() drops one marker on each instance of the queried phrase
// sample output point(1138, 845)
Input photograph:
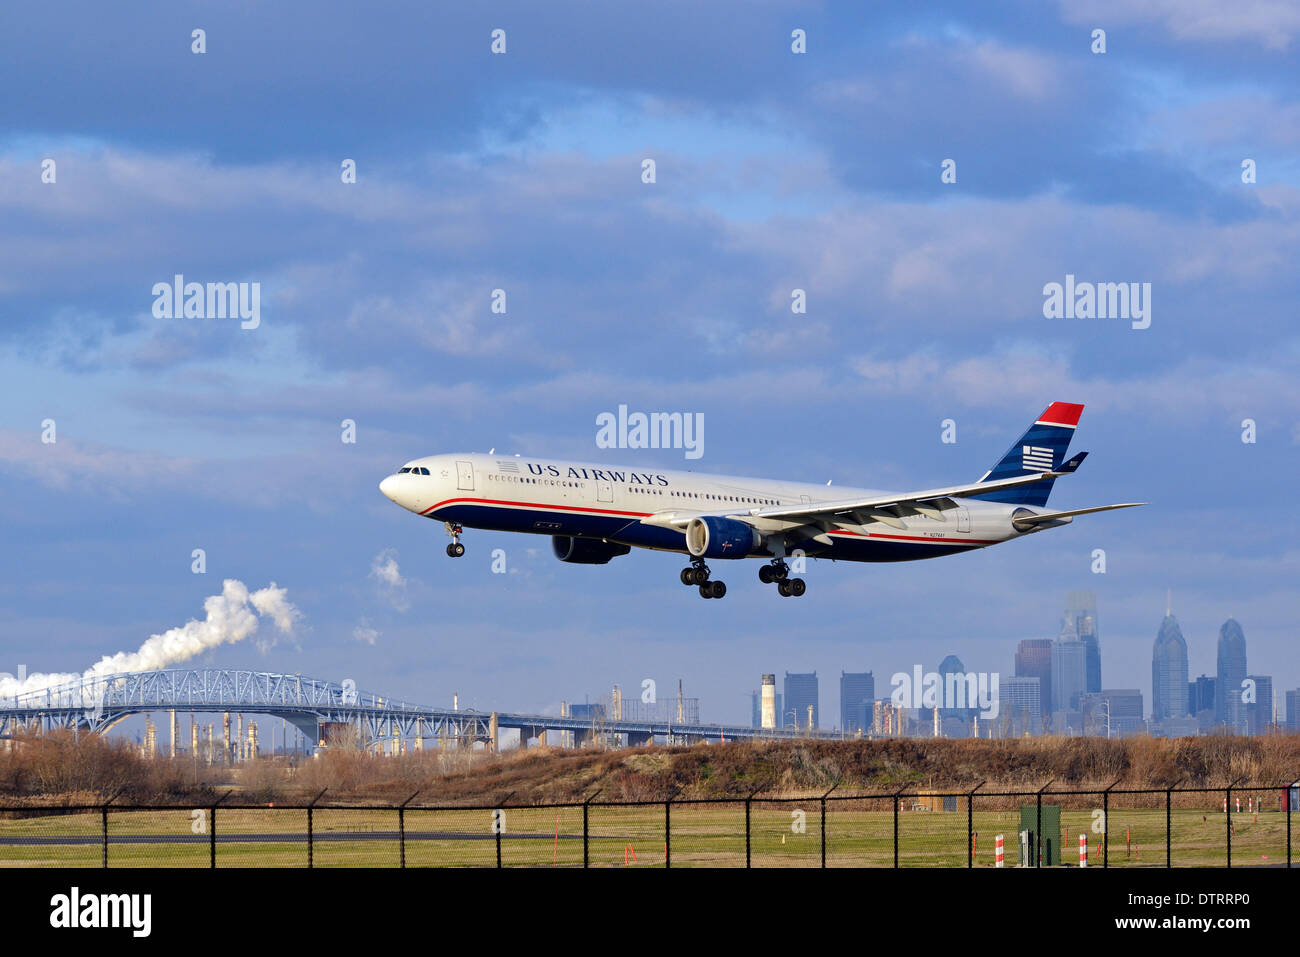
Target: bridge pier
point(639, 739)
point(494, 734)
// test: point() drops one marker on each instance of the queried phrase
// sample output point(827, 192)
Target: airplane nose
point(389, 487)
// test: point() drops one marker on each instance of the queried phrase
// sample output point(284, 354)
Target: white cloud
point(1271, 23)
point(364, 633)
point(388, 576)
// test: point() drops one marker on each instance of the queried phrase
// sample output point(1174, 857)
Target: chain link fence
point(1113, 827)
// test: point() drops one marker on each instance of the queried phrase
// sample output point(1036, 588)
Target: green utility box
point(1049, 846)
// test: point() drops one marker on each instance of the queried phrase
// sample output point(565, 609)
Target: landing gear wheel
point(688, 576)
point(784, 589)
point(796, 586)
point(455, 549)
point(701, 574)
point(713, 589)
point(774, 571)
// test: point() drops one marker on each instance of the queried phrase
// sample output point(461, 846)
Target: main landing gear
point(698, 574)
point(778, 571)
point(455, 549)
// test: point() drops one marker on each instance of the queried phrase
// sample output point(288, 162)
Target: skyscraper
point(800, 695)
point(1169, 671)
point(1020, 703)
point(952, 665)
point(1081, 612)
point(1069, 670)
point(1293, 710)
point(857, 697)
point(1200, 695)
point(1229, 709)
point(1034, 660)
point(1259, 713)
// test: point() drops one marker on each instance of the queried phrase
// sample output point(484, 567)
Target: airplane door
point(605, 491)
point(465, 476)
point(963, 520)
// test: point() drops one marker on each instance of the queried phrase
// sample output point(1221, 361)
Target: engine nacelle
point(586, 551)
point(712, 537)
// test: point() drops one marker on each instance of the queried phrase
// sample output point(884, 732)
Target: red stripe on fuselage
point(547, 508)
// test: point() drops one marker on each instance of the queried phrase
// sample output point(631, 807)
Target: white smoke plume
point(232, 616)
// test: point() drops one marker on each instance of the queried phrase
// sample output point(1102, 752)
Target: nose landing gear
point(455, 549)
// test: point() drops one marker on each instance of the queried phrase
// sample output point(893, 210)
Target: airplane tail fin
point(1041, 449)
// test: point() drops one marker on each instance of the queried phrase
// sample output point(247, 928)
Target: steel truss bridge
point(96, 703)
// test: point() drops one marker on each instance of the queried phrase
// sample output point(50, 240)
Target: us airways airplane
point(594, 513)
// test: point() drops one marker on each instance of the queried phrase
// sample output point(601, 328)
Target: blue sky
point(521, 171)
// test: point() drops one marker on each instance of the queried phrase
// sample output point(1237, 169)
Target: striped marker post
point(1083, 850)
point(998, 852)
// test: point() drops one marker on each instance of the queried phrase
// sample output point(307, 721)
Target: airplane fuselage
point(632, 505)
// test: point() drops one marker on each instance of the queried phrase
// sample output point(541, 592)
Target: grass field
point(857, 834)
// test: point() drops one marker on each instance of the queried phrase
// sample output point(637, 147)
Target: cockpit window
point(423, 470)
point(401, 471)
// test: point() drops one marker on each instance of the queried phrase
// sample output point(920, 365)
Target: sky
point(522, 171)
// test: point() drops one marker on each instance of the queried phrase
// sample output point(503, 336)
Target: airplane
point(595, 513)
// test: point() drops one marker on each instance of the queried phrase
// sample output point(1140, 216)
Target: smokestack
point(768, 702)
point(175, 730)
point(226, 757)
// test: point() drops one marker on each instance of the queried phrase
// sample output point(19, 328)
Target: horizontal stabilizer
point(1074, 464)
point(1024, 523)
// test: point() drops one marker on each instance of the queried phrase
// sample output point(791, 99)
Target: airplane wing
point(889, 509)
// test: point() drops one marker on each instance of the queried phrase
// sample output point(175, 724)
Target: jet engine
point(586, 551)
point(713, 537)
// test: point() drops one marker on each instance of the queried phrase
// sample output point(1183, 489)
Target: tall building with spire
point(1081, 613)
point(1229, 709)
point(1169, 670)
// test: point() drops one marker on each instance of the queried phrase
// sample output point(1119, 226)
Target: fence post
point(1169, 826)
point(668, 830)
point(749, 799)
point(103, 821)
point(1287, 805)
point(585, 804)
point(1227, 805)
point(970, 824)
point(499, 823)
point(401, 827)
point(894, 800)
point(823, 819)
point(1038, 826)
point(1105, 824)
point(311, 829)
point(212, 830)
